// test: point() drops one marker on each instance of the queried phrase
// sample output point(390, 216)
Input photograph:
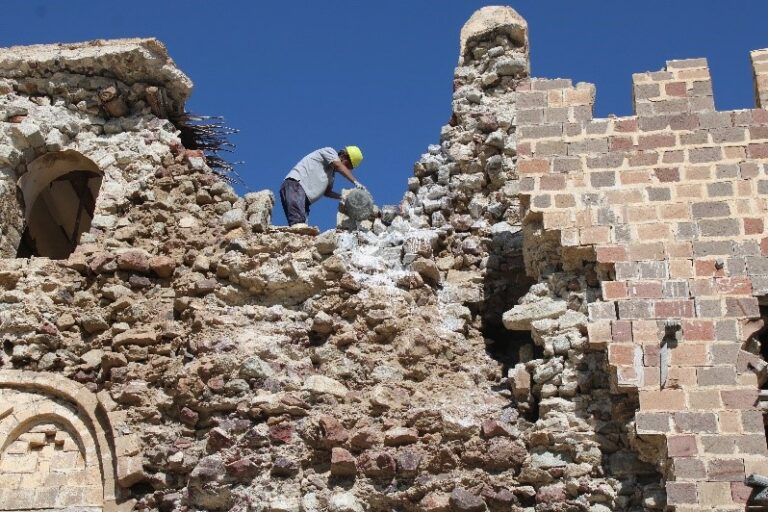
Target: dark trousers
point(295, 202)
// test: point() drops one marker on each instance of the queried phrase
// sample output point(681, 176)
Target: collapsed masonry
point(165, 348)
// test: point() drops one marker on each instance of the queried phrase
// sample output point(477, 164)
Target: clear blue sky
point(295, 76)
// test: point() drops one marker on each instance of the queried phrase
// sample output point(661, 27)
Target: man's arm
point(339, 166)
point(330, 193)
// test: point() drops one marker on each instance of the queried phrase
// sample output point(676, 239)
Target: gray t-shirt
point(315, 172)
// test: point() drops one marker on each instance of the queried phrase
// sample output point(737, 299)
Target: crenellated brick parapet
point(672, 202)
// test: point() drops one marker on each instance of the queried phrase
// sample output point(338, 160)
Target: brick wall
point(672, 200)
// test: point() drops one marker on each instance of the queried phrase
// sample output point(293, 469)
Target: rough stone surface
point(561, 314)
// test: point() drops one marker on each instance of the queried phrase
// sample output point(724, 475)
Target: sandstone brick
point(689, 355)
point(663, 400)
point(710, 209)
point(654, 231)
point(681, 446)
point(695, 422)
point(752, 444)
point(681, 493)
point(720, 228)
point(674, 309)
point(714, 494)
point(704, 399)
point(689, 468)
point(644, 289)
point(740, 492)
point(716, 376)
point(739, 398)
point(611, 253)
point(635, 309)
point(646, 251)
point(533, 166)
point(679, 268)
point(614, 290)
point(730, 470)
point(700, 155)
point(652, 423)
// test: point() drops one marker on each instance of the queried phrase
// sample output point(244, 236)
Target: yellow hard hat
point(355, 155)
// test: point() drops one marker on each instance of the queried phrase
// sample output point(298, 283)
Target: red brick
point(618, 143)
point(656, 141)
point(626, 125)
point(757, 151)
point(698, 330)
point(621, 331)
point(651, 355)
point(533, 166)
point(643, 158)
point(675, 89)
point(681, 446)
point(706, 268)
point(614, 290)
point(753, 226)
point(734, 285)
point(681, 493)
point(611, 253)
point(764, 246)
point(674, 309)
point(739, 398)
point(524, 149)
point(646, 251)
point(621, 354)
point(740, 492)
point(667, 174)
point(689, 355)
point(645, 289)
point(725, 470)
point(552, 182)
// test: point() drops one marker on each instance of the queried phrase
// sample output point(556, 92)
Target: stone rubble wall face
point(671, 202)
point(242, 366)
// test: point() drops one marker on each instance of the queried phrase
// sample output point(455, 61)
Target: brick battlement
point(672, 200)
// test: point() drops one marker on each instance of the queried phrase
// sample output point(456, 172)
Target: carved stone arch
point(59, 192)
point(45, 411)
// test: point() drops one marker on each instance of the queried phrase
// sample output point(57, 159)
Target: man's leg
point(293, 199)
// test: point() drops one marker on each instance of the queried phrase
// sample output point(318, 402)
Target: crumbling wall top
point(128, 60)
point(494, 18)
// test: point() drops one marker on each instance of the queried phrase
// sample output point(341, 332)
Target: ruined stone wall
point(447, 355)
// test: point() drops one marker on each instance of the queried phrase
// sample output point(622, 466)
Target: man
point(312, 178)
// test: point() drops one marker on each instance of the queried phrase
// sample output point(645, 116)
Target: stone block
point(726, 470)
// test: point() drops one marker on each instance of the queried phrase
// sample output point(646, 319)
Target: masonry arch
point(59, 192)
point(58, 447)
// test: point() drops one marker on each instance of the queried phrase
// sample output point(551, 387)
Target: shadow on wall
point(59, 192)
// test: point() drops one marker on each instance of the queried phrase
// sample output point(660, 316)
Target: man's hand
point(360, 186)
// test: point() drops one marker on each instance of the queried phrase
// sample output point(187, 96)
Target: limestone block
point(259, 209)
point(320, 385)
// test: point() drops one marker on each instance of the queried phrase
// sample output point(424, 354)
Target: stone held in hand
point(358, 205)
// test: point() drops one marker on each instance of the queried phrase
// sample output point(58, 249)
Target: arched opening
point(59, 192)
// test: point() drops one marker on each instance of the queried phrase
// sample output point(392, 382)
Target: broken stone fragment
point(255, 368)
point(284, 467)
point(234, 218)
point(462, 500)
point(519, 318)
point(321, 385)
point(377, 464)
point(399, 436)
point(342, 463)
point(344, 502)
point(134, 261)
point(141, 337)
point(322, 323)
point(408, 462)
point(332, 432)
